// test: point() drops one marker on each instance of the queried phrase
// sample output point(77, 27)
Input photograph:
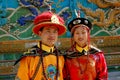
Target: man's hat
point(49, 19)
point(78, 21)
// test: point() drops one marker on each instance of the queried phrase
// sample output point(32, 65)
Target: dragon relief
point(102, 18)
point(106, 3)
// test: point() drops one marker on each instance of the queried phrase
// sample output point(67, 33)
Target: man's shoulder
point(32, 50)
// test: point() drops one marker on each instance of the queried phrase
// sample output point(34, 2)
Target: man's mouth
point(52, 39)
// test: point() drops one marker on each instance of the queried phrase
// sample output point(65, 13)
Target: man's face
point(49, 35)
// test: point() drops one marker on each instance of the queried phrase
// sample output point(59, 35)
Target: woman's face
point(49, 35)
point(80, 35)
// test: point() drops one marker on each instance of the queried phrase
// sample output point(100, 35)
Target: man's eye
point(55, 31)
point(48, 31)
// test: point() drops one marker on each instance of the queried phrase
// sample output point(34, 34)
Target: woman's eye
point(83, 32)
point(77, 33)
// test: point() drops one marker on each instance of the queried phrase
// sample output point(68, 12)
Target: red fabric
point(44, 19)
point(92, 67)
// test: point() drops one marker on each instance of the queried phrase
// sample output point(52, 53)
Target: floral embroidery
point(51, 71)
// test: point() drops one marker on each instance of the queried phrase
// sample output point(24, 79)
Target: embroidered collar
point(80, 49)
point(46, 48)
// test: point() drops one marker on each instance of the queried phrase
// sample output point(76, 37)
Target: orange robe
point(28, 66)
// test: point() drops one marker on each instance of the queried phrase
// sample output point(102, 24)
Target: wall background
point(16, 16)
point(16, 23)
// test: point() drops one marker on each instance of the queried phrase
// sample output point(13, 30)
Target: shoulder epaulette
point(94, 50)
point(31, 52)
point(61, 53)
point(71, 53)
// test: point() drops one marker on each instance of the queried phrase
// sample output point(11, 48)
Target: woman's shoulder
point(94, 50)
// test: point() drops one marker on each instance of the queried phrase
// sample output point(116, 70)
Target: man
point(44, 61)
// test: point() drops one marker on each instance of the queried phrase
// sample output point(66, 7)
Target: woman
point(83, 61)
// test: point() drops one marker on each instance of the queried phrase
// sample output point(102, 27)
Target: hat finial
point(77, 13)
point(49, 4)
point(50, 8)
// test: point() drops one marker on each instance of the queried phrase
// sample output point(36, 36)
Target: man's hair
point(41, 28)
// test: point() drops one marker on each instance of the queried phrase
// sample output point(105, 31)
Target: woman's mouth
point(80, 39)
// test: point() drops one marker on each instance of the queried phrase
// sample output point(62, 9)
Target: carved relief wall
point(16, 16)
point(16, 23)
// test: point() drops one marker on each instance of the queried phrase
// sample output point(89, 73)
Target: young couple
point(45, 62)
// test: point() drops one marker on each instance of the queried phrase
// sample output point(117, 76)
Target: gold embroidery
point(54, 19)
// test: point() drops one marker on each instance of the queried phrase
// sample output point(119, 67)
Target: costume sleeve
point(102, 73)
point(23, 71)
point(66, 71)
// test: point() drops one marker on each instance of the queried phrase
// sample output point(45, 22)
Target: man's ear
point(39, 33)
